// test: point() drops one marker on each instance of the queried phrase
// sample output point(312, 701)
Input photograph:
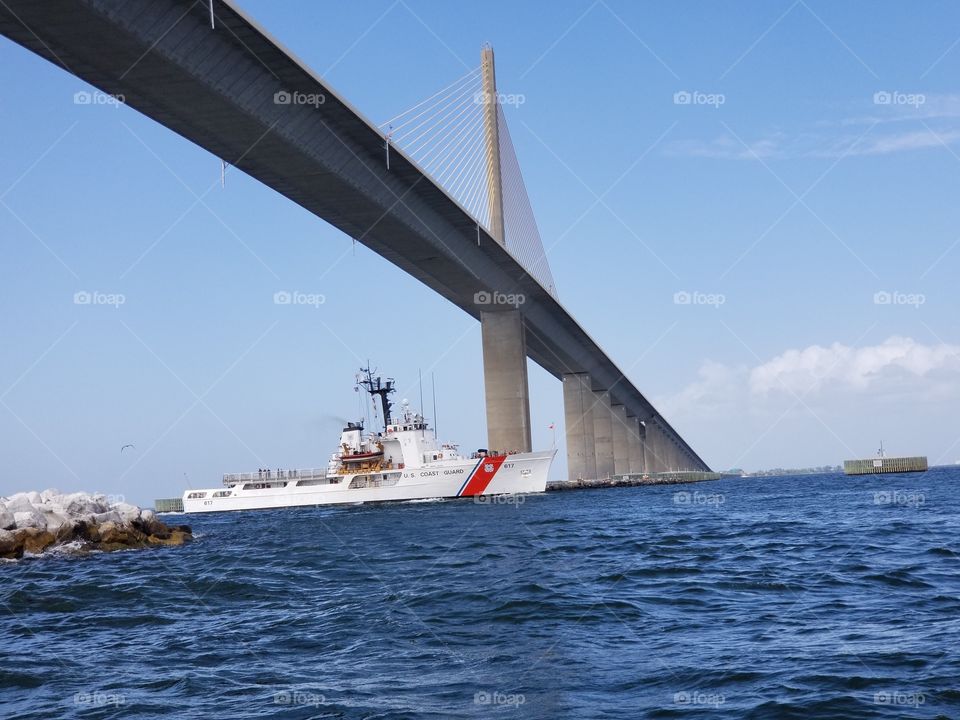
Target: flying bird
point(126, 446)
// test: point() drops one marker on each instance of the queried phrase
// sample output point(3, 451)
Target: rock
point(78, 505)
point(33, 522)
point(87, 531)
point(36, 541)
point(128, 512)
point(50, 495)
point(111, 516)
point(54, 520)
point(11, 545)
point(30, 519)
point(111, 532)
point(66, 532)
point(174, 537)
point(19, 503)
point(152, 527)
point(7, 520)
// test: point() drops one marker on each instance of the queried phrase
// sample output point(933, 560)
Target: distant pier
point(168, 505)
point(634, 479)
point(878, 465)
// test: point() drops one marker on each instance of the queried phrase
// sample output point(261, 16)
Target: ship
point(403, 461)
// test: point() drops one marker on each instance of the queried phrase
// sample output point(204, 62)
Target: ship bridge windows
point(196, 495)
point(222, 493)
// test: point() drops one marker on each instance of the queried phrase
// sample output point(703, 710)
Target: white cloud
point(823, 404)
point(880, 368)
point(897, 367)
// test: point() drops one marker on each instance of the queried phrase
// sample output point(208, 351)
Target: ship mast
point(376, 386)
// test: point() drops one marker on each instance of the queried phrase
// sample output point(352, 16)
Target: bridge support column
point(673, 454)
point(635, 441)
point(656, 455)
point(578, 402)
point(505, 381)
point(603, 433)
point(621, 440)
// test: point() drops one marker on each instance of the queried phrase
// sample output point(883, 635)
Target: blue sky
point(812, 223)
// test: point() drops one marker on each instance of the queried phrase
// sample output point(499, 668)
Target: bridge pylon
point(502, 328)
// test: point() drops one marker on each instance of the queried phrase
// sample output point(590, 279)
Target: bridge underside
point(216, 87)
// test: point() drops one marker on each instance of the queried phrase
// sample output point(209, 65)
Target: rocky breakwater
point(34, 522)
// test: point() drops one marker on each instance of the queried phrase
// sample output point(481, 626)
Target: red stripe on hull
point(484, 474)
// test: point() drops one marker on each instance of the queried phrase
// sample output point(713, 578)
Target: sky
point(751, 207)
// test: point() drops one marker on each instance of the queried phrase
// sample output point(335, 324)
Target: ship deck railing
point(266, 475)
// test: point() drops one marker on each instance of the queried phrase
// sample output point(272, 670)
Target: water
point(795, 597)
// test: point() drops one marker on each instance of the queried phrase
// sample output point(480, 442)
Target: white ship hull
point(461, 477)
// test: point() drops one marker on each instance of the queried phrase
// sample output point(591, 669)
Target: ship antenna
point(433, 386)
point(422, 421)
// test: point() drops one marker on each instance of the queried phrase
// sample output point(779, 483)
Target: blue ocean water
point(792, 597)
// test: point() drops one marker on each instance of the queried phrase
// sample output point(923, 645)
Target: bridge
point(437, 191)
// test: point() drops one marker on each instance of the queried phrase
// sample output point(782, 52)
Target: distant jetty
point(35, 522)
point(878, 465)
point(632, 480)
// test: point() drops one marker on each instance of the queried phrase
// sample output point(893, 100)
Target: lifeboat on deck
point(363, 457)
